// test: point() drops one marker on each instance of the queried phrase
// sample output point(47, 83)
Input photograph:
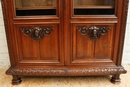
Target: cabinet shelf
point(95, 7)
point(36, 8)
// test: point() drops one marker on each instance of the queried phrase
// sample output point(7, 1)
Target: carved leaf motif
point(93, 32)
point(36, 33)
point(83, 30)
point(66, 72)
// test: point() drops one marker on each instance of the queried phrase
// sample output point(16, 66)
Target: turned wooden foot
point(116, 79)
point(16, 80)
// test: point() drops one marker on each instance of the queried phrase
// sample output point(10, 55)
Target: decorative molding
point(65, 72)
point(93, 32)
point(36, 33)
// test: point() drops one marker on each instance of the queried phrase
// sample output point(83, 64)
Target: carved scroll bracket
point(93, 32)
point(36, 33)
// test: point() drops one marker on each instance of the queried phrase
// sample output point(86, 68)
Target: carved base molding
point(65, 71)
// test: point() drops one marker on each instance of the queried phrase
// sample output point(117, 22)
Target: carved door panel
point(92, 44)
point(38, 44)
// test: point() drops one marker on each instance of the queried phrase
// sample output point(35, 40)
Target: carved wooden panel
point(40, 50)
point(87, 50)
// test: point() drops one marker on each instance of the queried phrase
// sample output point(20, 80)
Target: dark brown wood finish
point(34, 51)
point(65, 44)
point(88, 49)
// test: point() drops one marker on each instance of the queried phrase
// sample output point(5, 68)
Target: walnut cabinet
point(65, 37)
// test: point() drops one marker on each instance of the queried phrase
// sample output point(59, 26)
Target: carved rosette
point(36, 33)
point(93, 32)
point(65, 72)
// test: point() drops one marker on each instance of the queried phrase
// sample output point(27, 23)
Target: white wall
point(4, 57)
point(126, 52)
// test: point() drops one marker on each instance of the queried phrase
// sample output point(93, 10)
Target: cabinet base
point(66, 71)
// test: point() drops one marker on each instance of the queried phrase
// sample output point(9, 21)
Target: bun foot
point(16, 80)
point(116, 79)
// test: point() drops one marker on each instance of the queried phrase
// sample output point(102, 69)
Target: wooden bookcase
point(65, 37)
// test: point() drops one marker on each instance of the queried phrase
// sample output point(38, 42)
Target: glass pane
point(94, 7)
point(35, 7)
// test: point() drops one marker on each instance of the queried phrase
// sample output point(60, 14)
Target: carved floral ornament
point(66, 72)
point(93, 32)
point(36, 33)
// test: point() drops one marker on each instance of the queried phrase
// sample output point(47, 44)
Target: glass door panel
point(94, 7)
point(35, 7)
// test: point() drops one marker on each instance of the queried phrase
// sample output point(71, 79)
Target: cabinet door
point(38, 44)
point(92, 43)
point(89, 31)
point(37, 32)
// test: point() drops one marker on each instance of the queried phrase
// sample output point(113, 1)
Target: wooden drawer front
point(38, 44)
point(92, 43)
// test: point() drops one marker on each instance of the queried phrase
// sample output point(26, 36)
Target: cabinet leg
point(116, 79)
point(16, 80)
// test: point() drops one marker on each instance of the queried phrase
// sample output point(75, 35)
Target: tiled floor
point(5, 81)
